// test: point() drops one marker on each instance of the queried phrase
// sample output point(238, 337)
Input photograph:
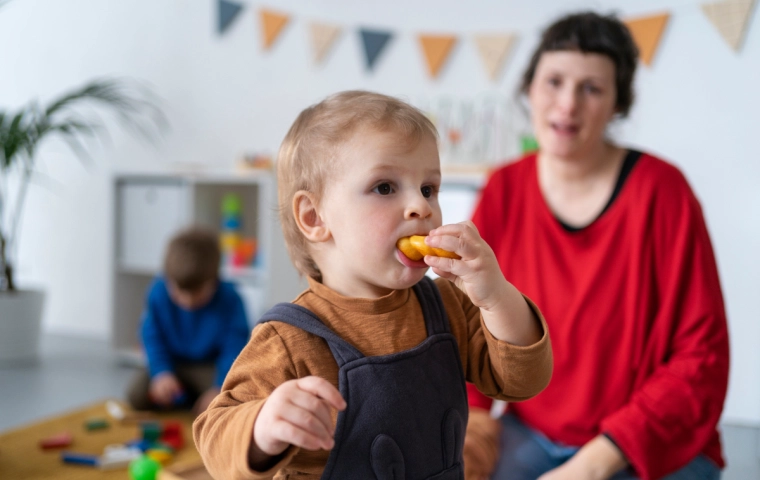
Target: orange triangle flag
point(730, 18)
point(272, 24)
point(494, 50)
point(437, 49)
point(647, 33)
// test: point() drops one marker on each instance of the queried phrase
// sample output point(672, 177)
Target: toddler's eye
point(384, 189)
point(427, 191)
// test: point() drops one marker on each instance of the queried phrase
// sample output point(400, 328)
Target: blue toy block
point(79, 458)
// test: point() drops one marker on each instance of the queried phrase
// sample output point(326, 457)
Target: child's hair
point(311, 145)
point(192, 258)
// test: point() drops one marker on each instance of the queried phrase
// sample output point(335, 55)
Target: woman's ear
point(308, 219)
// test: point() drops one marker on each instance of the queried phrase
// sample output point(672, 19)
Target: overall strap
point(436, 320)
point(305, 319)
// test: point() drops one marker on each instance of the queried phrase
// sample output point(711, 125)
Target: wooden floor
point(22, 458)
point(75, 372)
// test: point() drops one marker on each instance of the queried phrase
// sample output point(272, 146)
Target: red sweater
point(635, 310)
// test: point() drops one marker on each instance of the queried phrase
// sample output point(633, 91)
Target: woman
point(612, 246)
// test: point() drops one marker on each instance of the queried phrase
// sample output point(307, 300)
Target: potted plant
point(21, 134)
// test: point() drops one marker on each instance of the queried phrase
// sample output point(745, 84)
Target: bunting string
point(730, 18)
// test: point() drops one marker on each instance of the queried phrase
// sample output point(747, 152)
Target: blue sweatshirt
point(216, 332)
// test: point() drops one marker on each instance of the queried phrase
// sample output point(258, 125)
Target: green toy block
point(96, 423)
point(151, 431)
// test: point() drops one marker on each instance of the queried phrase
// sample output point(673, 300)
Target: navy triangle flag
point(374, 42)
point(228, 11)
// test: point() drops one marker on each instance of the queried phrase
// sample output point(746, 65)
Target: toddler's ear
point(309, 222)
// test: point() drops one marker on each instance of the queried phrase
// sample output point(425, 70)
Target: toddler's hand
point(164, 388)
point(298, 413)
point(477, 273)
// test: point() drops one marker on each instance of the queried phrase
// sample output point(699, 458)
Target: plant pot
point(20, 325)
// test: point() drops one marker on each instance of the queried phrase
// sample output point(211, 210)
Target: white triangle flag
point(730, 18)
point(494, 50)
point(323, 37)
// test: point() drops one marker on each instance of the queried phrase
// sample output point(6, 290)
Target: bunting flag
point(323, 37)
point(272, 24)
point(374, 42)
point(494, 50)
point(647, 33)
point(730, 18)
point(228, 11)
point(437, 49)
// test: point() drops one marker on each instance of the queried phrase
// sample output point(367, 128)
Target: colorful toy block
point(151, 431)
point(96, 423)
point(63, 439)
point(161, 455)
point(141, 444)
point(172, 435)
point(79, 458)
point(118, 456)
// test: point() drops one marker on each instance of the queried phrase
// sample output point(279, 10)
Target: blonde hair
point(312, 144)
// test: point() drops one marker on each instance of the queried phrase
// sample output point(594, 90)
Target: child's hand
point(477, 273)
point(164, 388)
point(298, 413)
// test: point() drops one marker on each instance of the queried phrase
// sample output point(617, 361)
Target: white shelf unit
point(151, 207)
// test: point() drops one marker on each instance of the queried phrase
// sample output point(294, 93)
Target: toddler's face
point(383, 189)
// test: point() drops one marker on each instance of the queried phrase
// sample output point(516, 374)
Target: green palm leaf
point(22, 132)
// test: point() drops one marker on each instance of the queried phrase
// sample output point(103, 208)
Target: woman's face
point(572, 98)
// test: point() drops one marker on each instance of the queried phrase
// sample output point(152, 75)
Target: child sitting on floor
point(193, 327)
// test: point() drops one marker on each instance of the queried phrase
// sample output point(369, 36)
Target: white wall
point(698, 107)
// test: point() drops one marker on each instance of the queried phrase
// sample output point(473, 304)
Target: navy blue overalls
point(406, 412)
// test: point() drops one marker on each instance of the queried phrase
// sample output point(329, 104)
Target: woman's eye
point(592, 89)
point(554, 82)
point(383, 189)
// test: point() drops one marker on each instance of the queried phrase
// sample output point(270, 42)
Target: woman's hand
point(296, 413)
point(599, 459)
point(478, 274)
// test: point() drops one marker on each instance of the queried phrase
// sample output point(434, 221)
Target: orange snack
point(414, 248)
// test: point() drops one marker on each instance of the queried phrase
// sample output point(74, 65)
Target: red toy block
point(59, 440)
point(172, 435)
point(172, 428)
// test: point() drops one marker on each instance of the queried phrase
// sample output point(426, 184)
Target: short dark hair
point(589, 32)
point(192, 258)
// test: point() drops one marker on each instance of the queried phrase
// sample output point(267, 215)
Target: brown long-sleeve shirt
point(278, 352)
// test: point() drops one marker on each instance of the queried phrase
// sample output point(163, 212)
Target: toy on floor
point(59, 440)
point(172, 435)
point(96, 423)
point(118, 456)
point(79, 458)
point(118, 413)
point(161, 455)
point(144, 468)
point(160, 437)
